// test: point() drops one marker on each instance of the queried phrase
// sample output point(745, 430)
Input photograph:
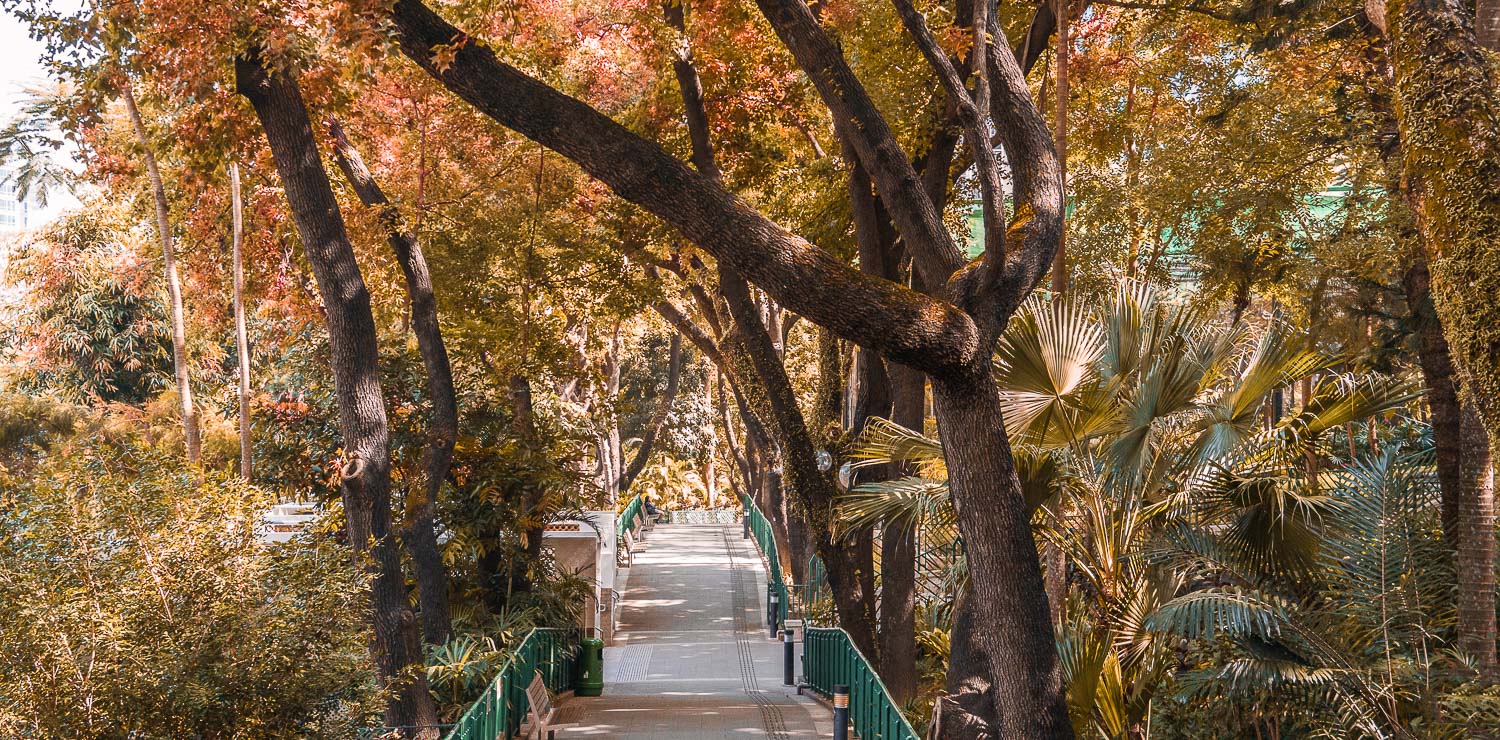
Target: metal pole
point(840, 712)
point(773, 613)
point(789, 657)
point(746, 521)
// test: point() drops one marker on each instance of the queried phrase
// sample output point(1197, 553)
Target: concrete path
point(692, 658)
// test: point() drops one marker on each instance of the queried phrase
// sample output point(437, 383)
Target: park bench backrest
point(541, 701)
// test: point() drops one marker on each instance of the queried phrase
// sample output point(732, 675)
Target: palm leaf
point(1048, 353)
point(1204, 614)
point(885, 442)
point(914, 502)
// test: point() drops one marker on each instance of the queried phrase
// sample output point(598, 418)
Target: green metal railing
point(807, 596)
point(627, 517)
point(829, 658)
point(500, 711)
point(766, 541)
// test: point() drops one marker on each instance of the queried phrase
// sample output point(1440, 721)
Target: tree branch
point(933, 250)
point(903, 325)
point(974, 114)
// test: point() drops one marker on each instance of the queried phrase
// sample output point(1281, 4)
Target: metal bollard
point(840, 712)
point(773, 613)
point(746, 521)
point(789, 657)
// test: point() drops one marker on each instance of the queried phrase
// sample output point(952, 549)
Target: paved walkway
point(692, 658)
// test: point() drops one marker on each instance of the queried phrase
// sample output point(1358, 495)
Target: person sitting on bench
point(652, 512)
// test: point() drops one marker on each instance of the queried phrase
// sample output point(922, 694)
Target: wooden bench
point(626, 553)
point(541, 715)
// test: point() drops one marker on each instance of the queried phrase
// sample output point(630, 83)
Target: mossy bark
point(1448, 112)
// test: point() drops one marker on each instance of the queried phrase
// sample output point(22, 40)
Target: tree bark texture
point(1448, 115)
point(420, 534)
point(174, 281)
point(1476, 548)
point(898, 555)
point(356, 374)
point(1443, 405)
point(1002, 556)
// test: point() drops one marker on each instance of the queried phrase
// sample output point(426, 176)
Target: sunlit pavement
point(692, 657)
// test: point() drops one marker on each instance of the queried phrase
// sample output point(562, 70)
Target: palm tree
point(1188, 518)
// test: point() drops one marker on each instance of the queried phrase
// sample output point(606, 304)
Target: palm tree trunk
point(174, 283)
point(1448, 116)
point(1476, 548)
point(241, 339)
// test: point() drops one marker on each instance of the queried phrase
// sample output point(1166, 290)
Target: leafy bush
point(139, 603)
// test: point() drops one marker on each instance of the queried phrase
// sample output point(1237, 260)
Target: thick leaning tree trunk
point(1023, 667)
point(1448, 114)
point(420, 534)
point(396, 646)
point(174, 282)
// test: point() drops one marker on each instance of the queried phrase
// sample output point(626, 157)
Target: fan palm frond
point(1277, 361)
point(1048, 353)
point(1339, 399)
point(915, 502)
point(885, 442)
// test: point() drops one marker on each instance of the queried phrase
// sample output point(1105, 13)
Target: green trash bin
point(590, 668)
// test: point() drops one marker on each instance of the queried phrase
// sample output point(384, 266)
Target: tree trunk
point(241, 338)
point(967, 712)
point(995, 524)
point(1060, 138)
point(420, 534)
point(898, 556)
point(610, 453)
point(1476, 549)
point(174, 283)
point(1448, 115)
point(659, 417)
point(356, 375)
point(1443, 403)
point(1487, 23)
point(812, 491)
point(533, 518)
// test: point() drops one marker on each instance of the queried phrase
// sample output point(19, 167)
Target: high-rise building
point(15, 212)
